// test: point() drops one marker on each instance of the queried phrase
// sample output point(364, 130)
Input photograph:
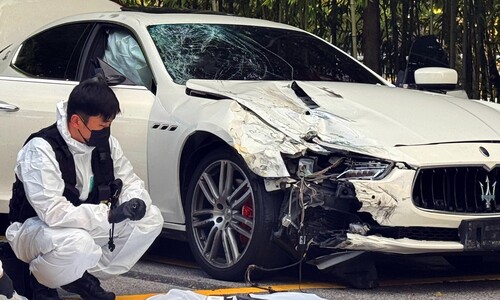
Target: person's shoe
point(41, 292)
point(89, 288)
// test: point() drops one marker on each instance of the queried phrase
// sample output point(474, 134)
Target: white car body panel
point(39, 110)
point(430, 75)
point(399, 246)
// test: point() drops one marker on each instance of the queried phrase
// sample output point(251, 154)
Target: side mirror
point(436, 78)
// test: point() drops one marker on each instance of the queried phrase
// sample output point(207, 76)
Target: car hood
point(364, 118)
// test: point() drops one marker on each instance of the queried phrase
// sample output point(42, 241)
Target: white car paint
point(430, 75)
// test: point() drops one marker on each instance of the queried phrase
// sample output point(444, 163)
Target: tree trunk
point(395, 38)
point(403, 51)
point(387, 65)
point(354, 30)
point(491, 51)
point(467, 50)
point(371, 35)
point(453, 11)
point(332, 21)
point(482, 65)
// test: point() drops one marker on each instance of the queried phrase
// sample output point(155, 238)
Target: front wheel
point(229, 216)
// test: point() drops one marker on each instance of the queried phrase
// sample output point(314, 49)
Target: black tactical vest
point(102, 166)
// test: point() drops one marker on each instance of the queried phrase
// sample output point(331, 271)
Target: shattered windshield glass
point(238, 52)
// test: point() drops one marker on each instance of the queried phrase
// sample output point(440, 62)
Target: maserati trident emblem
point(488, 192)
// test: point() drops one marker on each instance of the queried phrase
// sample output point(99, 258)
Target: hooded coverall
point(64, 240)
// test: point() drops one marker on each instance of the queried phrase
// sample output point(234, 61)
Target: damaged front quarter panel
point(260, 145)
point(380, 198)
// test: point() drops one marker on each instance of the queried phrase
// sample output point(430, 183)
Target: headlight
point(321, 167)
point(365, 170)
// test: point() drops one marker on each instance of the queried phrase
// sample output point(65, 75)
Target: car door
point(115, 52)
point(50, 64)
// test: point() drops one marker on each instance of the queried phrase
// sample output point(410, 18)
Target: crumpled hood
point(360, 117)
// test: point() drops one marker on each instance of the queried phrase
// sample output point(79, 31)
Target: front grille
point(462, 190)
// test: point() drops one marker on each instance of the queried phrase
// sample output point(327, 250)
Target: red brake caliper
point(246, 211)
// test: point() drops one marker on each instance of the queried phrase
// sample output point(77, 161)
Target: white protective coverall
point(64, 240)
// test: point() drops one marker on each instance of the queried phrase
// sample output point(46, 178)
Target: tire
point(229, 216)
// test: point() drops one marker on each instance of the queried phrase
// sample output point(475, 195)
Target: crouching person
point(63, 219)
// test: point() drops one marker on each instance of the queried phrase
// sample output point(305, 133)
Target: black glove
point(134, 209)
point(6, 287)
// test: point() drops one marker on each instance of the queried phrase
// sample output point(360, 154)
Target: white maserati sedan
point(263, 144)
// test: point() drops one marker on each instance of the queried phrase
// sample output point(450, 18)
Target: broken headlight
point(320, 167)
point(367, 170)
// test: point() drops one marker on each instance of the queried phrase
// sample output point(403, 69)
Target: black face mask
point(97, 137)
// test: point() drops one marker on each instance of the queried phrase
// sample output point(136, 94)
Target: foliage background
point(468, 30)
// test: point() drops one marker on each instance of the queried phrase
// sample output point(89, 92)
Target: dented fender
point(260, 145)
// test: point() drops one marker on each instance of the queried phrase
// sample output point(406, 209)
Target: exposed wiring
point(301, 187)
point(253, 267)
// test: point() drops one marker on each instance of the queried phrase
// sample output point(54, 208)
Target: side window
point(54, 53)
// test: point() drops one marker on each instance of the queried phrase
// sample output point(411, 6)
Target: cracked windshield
point(235, 52)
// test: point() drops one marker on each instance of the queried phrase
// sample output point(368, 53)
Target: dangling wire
point(302, 186)
point(252, 267)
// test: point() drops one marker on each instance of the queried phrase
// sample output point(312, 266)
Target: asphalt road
point(169, 265)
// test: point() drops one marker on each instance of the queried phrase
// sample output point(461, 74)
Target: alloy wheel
point(222, 213)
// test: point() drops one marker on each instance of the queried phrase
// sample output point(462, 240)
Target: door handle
point(4, 106)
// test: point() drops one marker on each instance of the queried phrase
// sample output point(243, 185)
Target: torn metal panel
point(380, 198)
point(279, 106)
point(400, 246)
point(260, 145)
point(348, 119)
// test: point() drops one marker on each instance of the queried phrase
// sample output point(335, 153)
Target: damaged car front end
point(358, 180)
point(360, 166)
point(354, 204)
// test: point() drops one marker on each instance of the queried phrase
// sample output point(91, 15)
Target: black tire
point(233, 229)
